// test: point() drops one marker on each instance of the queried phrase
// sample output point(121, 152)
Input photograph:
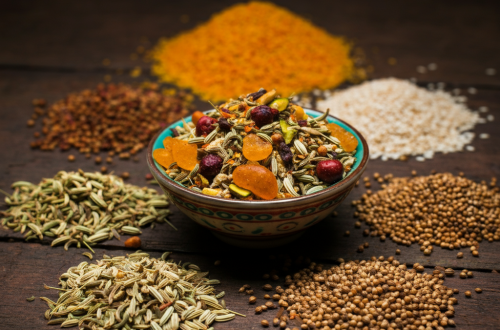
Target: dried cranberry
point(210, 166)
point(224, 124)
point(262, 115)
point(302, 123)
point(256, 95)
point(285, 153)
point(330, 171)
point(204, 125)
point(276, 114)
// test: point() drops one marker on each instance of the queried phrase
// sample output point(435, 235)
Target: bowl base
point(257, 244)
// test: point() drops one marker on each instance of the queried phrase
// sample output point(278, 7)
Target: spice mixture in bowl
point(259, 168)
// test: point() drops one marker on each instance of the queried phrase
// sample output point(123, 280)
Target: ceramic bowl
point(258, 223)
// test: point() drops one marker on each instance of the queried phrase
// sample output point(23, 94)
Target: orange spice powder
point(249, 46)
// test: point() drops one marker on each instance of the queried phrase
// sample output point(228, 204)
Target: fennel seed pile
point(82, 208)
point(137, 292)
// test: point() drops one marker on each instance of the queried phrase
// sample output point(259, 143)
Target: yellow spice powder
point(249, 46)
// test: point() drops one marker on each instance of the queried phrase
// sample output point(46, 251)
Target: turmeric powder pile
point(253, 45)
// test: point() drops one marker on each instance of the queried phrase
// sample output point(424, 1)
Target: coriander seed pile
point(378, 293)
point(78, 208)
point(137, 292)
point(120, 118)
point(441, 209)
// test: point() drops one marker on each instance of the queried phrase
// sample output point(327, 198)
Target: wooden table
point(51, 48)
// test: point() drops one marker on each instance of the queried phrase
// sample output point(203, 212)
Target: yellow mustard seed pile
point(253, 45)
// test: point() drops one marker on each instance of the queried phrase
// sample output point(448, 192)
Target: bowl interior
point(158, 143)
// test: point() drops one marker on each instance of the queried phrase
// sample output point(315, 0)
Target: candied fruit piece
point(255, 148)
point(287, 134)
point(258, 179)
point(163, 157)
point(196, 116)
point(185, 154)
point(300, 114)
point(348, 142)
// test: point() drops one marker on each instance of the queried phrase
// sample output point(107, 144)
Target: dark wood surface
point(51, 48)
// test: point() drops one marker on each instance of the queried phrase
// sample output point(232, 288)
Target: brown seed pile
point(120, 118)
point(441, 209)
point(378, 293)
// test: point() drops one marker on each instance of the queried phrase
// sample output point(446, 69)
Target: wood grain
point(58, 47)
point(26, 267)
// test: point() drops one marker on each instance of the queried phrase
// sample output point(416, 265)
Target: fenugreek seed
point(478, 290)
point(468, 294)
point(252, 300)
point(264, 323)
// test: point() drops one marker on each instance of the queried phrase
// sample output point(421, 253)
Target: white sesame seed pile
point(398, 118)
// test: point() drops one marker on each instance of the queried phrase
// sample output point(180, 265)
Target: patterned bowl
point(258, 224)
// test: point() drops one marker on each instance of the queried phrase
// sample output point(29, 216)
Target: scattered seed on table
point(125, 175)
point(475, 253)
point(264, 323)
point(478, 290)
point(258, 310)
point(449, 272)
point(460, 255)
point(267, 287)
point(98, 160)
point(266, 296)
point(398, 251)
point(217, 263)
point(470, 274)
point(347, 233)
point(109, 160)
point(104, 169)
point(249, 292)
point(276, 321)
point(71, 158)
point(252, 300)
point(468, 294)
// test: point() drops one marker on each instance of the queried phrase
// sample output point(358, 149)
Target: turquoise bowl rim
point(358, 167)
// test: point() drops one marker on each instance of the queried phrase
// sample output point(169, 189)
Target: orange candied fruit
point(163, 157)
point(258, 179)
point(348, 142)
point(255, 148)
point(185, 154)
point(196, 116)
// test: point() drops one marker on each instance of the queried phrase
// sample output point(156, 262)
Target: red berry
point(210, 166)
point(276, 114)
point(330, 171)
point(204, 125)
point(262, 115)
